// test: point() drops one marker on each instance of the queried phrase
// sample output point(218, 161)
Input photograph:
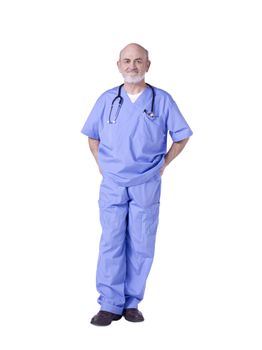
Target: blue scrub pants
point(129, 220)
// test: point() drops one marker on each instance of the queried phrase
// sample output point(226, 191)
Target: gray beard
point(133, 80)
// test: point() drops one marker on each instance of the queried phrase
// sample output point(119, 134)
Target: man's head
point(133, 63)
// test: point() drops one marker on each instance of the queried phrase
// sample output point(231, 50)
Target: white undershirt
point(134, 97)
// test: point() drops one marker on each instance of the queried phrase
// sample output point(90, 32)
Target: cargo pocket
point(149, 228)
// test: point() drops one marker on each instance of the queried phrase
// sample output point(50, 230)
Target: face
point(133, 64)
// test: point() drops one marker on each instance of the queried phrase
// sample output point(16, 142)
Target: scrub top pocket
point(147, 138)
point(152, 128)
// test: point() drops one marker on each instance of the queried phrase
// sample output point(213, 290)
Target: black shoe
point(104, 318)
point(133, 315)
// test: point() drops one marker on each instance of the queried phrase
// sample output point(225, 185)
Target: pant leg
point(140, 244)
point(111, 267)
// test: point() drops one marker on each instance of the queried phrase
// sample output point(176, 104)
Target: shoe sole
point(132, 320)
point(117, 318)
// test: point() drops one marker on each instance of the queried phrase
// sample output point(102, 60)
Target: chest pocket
point(152, 128)
point(147, 138)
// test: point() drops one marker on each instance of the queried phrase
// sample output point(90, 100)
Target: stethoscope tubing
point(121, 100)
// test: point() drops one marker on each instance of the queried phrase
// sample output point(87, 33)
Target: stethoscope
point(150, 115)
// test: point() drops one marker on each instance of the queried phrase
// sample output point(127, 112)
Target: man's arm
point(173, 152)
point(93, 145)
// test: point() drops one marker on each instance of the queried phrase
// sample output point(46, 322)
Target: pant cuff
point(131, 305)
point(111, 308)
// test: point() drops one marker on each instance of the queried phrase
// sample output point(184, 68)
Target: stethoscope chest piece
point(150, 115)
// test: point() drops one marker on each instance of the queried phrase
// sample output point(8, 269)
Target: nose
point(133, 65)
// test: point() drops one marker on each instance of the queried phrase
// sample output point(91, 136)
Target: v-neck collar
point(140, 101)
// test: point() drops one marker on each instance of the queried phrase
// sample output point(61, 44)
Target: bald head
point(134, 47)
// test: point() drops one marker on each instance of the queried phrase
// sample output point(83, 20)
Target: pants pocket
point(150, 218)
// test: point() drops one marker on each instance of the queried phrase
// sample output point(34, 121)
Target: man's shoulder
point(111, 91)
point(107, 94)
point(163, 93)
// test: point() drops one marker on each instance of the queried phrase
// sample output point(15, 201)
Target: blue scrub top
point(132, 150)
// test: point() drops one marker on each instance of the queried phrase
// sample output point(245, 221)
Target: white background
point(57, 57)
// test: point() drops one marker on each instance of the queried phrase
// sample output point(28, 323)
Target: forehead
point(134, 52)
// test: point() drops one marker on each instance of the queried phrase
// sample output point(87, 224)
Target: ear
point(148, 65)
point(118, 65)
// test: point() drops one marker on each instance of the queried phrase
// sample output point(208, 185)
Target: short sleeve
point(176, 124)
point(91, 126)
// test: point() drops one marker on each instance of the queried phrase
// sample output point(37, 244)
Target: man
point(127, 133)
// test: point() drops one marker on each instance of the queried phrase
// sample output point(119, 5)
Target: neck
point(134, 88)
